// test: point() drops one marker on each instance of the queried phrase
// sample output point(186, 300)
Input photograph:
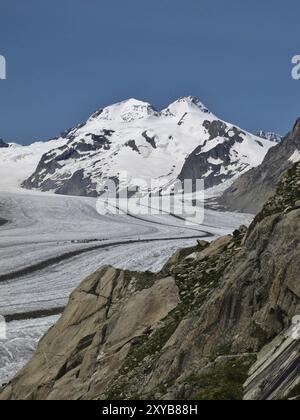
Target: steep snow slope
point(18, 162)
point(149, 145)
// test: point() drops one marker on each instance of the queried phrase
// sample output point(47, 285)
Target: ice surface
point(22, 340)
point(45, 228)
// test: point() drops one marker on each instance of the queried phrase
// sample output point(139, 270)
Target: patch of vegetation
point(223, 382)
point(295, 392)
point(146, 346)
point(143, 280)
point(224, 350)
point(286, 196)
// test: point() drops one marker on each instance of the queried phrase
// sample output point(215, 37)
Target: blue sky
point(67, 58)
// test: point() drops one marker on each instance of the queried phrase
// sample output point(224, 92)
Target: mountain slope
point(18, 162)
point(189, 332)
point(149, 145)
point(250, 191)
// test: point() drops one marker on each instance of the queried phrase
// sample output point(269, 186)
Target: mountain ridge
point(133, 136)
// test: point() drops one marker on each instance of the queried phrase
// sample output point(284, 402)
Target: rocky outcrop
point(251, 190)
point(276, 374)
point(190, 332)
point(3, 144)
point(218, 163)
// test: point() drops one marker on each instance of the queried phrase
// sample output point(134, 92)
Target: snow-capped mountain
point(184, 140)
point(276, 138)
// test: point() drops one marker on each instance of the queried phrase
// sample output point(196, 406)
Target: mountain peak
point(126, 111)
point(185, 104)
point(192, 100)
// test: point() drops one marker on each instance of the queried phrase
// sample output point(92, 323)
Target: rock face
point(276, 372)
point(219, 163)
point(189, 332)
point(250, 191)
point(3, 144)
point(184, 140)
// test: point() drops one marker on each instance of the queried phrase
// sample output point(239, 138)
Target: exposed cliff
point(251, 190)
point(189, 332)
